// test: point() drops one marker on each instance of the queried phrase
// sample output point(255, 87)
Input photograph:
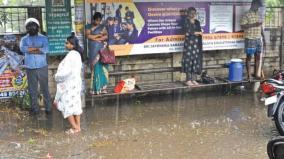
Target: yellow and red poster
point(157, 25)
point(11, 84)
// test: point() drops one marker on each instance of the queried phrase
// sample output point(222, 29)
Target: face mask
point(32, 28)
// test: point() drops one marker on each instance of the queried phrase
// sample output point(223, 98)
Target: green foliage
point(31, 141)
point(26, 103)
point(23, 2)
point(274, 3)
point(22, 101)
point(20, 131)
point(3, 18)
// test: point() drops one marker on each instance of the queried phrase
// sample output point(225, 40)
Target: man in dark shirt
point(118, 13)
point(129, 15)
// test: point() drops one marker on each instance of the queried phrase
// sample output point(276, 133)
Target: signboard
point(11, 85)
point(159, 23)
point(58, 19)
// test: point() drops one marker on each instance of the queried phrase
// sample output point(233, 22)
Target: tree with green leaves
point(274, 3)
point(22, 2)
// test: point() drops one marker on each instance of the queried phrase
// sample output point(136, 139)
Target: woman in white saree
point(69, 85)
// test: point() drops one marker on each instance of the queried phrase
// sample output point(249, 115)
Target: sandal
point(92, 93)
point(104, 91)
point(195, 83)
point(72, 131)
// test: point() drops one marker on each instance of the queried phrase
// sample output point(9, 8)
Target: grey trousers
point(40, 76)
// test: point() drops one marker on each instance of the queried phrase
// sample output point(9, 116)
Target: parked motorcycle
point(273, 89)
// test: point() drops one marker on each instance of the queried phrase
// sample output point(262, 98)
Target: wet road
point(179, 126)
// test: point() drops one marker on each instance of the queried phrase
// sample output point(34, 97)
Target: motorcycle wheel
point(279, 119)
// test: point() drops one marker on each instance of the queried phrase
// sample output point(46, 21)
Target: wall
point(271, 61)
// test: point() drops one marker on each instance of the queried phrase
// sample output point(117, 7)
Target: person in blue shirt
point(110, 29)
point(118, 13)
point(116, 25)
point(113, 28)
point(35, 47)
point(129, 35)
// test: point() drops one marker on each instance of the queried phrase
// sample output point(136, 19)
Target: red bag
point(107, 56)
point(118, 88)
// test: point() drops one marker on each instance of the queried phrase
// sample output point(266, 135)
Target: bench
point(162, 86)
point(158, 87)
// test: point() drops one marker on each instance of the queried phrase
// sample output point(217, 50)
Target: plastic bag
point(125, 85)
point(3, 67)
point(11, 59)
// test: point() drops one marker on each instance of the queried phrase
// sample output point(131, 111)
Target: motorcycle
point(273, 89)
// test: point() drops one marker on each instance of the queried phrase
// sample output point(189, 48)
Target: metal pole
point(281, 47)
point(172, 66)
point(281, 38)
point(117, 110)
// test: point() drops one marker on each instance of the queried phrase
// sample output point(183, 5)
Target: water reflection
point(194, 125)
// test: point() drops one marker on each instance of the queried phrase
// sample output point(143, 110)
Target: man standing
point(254, 38)
point(35, 47)
point(118, 13)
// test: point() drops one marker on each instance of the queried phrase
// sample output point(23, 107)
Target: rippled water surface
point(190, 126)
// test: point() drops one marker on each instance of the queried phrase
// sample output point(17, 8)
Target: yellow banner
point(79, 2)
point(121, 50)
point(10, 82)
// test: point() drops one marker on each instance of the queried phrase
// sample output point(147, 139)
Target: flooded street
point(183, 126)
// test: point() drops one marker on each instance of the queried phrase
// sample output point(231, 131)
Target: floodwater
point(210, 125)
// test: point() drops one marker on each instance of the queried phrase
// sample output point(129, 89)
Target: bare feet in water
point(195, 83)
point(189, 83)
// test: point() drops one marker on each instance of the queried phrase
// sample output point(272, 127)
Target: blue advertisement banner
point(147, 27)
